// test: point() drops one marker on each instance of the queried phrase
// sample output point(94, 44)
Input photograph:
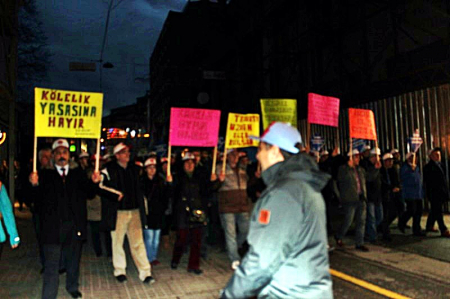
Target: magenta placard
point(194, 127)
point(323, 110)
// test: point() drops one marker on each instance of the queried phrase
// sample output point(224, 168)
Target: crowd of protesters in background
point(192, 205)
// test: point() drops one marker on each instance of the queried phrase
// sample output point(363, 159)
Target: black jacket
point(191, 193)
point(436, 184)
point(157, 195)
point(111, 184)
point(49, 196)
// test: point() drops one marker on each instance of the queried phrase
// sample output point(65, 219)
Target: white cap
point(150, 161)
point(83, 155)
point(367, 148)
point(139, 163)
point(188, 156)
point(353, 153)
point(282, 135)
point(388, 156)
point(408, 155)
point(60, 142)
point(324, 153)
point(119, 147)
point(164, 160)
point(394, 151)
point(375, 151)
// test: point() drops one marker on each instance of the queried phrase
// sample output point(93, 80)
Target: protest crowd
point(271, 214)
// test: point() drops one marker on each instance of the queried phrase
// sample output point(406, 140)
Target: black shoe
point(149, 280)
point(339, 243)
point(75, 294)
point(387, 238)
point(420, 234)
point(62, 271)
point(173, 266)
point(121, 278)
point(195, 271)
point(362, 248)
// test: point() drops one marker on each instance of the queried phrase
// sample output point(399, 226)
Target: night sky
point(75, 30)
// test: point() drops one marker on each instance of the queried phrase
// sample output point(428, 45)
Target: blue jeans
point(373, 220)
point(151, 240)
point(356, 209)
point(229, 221)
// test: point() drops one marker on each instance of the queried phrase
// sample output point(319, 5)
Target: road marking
point(367, 285)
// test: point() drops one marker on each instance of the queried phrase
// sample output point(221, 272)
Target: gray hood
point(301, 167)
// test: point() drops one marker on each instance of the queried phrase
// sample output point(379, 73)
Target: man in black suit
point(61, 194)
point(437, 191)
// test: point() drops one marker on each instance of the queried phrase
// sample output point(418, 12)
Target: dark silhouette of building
point(357, 51)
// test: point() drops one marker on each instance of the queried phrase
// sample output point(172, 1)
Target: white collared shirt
point(60, 168)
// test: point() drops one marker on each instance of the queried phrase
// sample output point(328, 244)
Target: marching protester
point(7, 213)
point(60, 198)
point(412, 193)
point(45, 162)
point(436, 187)
point(156, 197)
point(234, 206)
point(390, 187)
point(374, 215)
point(190, 203)
point(287, 237)
point(399, 201)
point(167, 228)
point(95, 217)
point(83, 161)
point(126, 213)
point(353, 194)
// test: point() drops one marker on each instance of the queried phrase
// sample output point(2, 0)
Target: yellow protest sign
point(239, 128)
point(70, 114)
point(284, 110)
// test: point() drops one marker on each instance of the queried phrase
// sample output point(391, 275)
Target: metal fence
point(427, 110)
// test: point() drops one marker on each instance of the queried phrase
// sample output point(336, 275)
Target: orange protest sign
point(362, 124)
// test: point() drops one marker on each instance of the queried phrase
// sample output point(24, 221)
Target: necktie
point(63, 175)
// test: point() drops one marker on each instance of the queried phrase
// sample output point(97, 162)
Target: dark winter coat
point(436, 184)
point(156, 194)
point(51, 202)
point(112, 182)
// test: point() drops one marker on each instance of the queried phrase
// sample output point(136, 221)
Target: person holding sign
point(190, 204)
point(233, 205)
point(412, 193)
point(288, 255)
point(60, 197)
point(351, 181)
point(126, 213)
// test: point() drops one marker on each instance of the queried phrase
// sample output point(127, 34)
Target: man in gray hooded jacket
point(288, 255)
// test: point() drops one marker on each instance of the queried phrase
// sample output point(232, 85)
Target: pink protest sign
point(194, 127)
point(323, 110)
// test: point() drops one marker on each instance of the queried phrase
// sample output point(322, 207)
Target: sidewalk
point(20, 278)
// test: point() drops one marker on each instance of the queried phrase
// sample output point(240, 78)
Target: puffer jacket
point(288, 255)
